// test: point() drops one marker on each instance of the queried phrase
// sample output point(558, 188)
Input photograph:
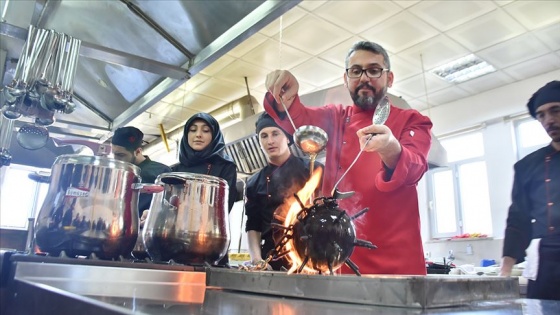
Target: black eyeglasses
point(373, 73)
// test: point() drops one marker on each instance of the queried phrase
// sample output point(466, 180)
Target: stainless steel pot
point(188, 222)
point(91, 207)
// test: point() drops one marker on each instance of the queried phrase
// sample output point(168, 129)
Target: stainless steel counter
point(432, 291)
point(40, 299)
point(45, 288)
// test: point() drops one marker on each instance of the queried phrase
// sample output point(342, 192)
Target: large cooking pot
point(188, 222)
point(91, 207)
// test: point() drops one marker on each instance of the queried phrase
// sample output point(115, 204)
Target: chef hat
point(128, 137)
point(266, 121)
point(546, 94)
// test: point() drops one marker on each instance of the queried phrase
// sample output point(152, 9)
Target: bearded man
point(385, 176)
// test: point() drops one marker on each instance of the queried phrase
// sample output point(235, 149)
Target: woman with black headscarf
point(202, 151)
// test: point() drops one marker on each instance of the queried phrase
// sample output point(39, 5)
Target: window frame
point(522, 151)
point(33, 211)
point(458, 204)
point(454, 168)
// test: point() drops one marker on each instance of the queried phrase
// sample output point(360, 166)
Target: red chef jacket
point(393, 221)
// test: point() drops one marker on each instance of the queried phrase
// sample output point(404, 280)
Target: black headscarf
point(214, 151)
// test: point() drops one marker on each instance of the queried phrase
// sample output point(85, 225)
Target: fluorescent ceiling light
point(463, 69)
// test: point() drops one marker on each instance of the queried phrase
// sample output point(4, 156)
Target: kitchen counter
point(60, 288)
point(40, 299)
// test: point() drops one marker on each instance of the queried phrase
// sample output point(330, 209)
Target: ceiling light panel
point(463, 69)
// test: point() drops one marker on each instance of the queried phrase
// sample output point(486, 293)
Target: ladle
point(379, 118)
point(310, 139)
point(32, 137)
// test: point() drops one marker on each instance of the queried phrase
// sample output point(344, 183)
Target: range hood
point(243, 145)
point(133, 52)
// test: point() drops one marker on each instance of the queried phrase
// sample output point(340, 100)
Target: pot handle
point(147, 188)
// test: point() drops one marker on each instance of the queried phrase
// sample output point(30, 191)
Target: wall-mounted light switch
point(469, 249)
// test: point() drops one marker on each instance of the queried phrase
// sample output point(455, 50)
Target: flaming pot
point(325, 237)
point(91, 207)
point(188, 222)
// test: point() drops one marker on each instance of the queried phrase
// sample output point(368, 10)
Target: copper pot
point(91, 207)
point(188, 222)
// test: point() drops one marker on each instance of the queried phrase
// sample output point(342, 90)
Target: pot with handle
point(188, 222)
point(91, 207)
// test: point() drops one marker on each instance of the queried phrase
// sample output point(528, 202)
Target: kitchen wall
point(467, 251)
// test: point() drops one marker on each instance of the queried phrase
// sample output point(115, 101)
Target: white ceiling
point(521, 39)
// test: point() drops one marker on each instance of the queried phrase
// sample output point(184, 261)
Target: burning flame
point(304, 195)
point(115, 228)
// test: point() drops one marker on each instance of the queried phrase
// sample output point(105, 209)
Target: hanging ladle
point(32, 137)
point(379, 118)
point(310, 139)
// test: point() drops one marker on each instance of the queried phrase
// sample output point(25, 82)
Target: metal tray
point(432, 291)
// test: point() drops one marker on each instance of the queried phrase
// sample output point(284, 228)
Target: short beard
point(368, 102)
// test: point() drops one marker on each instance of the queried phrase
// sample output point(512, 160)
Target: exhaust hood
point(133, 52)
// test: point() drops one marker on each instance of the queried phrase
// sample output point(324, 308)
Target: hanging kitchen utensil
point(6, 130)
point(32, 137)
point(380, 116)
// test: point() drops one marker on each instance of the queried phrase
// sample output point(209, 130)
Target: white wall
point(489, 108)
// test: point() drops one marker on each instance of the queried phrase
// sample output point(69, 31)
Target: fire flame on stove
point(318, 236)
point(304, 194)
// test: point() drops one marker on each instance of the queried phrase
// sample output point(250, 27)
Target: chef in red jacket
point(386, 174)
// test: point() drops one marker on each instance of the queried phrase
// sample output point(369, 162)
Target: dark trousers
point(547, 285)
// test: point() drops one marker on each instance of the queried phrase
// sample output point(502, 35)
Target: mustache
point(365, 86)
point(553, 128)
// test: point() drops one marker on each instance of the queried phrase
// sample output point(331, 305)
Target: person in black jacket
point(267, 189)
point(533, 223)
point(126, 146)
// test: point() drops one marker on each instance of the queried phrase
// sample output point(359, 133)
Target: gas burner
point(320, 238)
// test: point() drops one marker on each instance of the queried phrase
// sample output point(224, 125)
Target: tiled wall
point(481, 249)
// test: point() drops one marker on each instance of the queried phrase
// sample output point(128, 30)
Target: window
point(530, 136)
point(15, 206)
point(459, 197)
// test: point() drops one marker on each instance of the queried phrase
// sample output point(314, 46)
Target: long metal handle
point(382, 111)
point(287, 113)
point(349, 167)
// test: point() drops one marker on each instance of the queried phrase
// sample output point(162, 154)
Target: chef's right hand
point(144, 217)
point(283, 86)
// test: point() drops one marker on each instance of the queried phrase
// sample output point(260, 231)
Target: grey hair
point(371, 47)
